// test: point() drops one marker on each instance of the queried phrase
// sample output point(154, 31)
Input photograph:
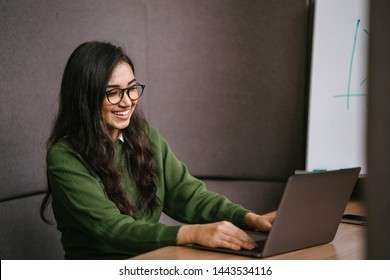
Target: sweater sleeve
point(81, 205)
point(187, 199)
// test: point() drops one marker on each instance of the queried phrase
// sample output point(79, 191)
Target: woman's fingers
point(221, 234)
point(238, 242)
point(263, 223)
point(238, 237)
point(225, 234)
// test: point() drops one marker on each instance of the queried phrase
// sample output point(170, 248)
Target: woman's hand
point(260, 222)
point(221, 234)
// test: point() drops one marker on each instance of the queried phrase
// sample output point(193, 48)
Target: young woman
point(111, 175)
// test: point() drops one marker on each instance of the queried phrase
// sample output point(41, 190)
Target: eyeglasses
point(115, 95)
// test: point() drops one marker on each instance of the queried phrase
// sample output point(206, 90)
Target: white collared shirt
point(120, 137)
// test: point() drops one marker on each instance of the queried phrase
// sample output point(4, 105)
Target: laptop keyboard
point(260, 245)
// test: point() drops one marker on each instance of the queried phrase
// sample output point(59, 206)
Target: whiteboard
point(338, 85)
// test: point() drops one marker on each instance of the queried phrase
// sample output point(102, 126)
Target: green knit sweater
point(92, 227)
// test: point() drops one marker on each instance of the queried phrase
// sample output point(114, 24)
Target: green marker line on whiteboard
point(351, 63)
point(363, 81)
point(348, 95)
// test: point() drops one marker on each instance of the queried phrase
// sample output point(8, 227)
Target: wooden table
point(349, 244)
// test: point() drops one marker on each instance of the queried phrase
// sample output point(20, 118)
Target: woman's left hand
point(260, 222)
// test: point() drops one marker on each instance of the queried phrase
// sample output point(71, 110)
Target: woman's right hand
point(220, 234)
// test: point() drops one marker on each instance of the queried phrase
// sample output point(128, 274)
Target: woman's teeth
point(123, 113)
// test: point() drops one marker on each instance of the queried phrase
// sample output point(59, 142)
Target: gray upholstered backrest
point(23, 235)
point(225, 85)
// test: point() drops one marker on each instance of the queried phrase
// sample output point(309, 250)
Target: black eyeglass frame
point(126, 90)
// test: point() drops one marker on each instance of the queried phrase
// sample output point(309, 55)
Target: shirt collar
point(120, 137)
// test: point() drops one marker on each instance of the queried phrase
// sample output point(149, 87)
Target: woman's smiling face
point(118, 116)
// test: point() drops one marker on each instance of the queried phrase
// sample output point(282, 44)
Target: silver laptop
point(309, 213)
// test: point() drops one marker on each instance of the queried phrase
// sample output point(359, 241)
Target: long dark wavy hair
point(79, 121)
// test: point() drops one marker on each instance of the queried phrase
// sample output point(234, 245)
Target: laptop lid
point(309, 213)
point(310, 210)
